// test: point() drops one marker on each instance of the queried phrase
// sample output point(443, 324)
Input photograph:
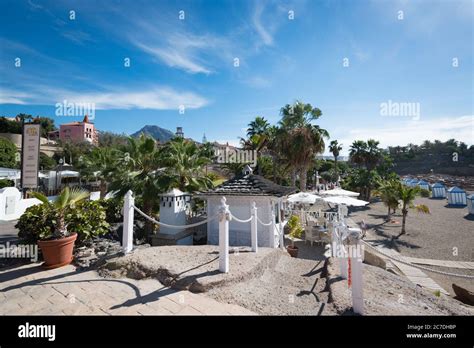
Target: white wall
point(12, 206)
point(239, 233)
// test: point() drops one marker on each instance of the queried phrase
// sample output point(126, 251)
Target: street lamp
point(61, 161)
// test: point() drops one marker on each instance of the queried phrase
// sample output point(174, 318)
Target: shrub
point(6, 183)
point(424, 193)
point(7, 153)
point(296, 230)
point(86, 218)
point(37, 222)
point(113, 209)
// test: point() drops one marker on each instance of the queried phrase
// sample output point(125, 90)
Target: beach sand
point(447, 233)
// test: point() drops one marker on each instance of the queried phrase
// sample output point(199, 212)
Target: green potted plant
point(57, 247)
point(296, 231)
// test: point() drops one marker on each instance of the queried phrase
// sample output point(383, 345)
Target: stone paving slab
point(442, 263)
point(31, 290)
point(415, 275)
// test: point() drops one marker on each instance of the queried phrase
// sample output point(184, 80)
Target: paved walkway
point(8, 232)
point(30, 290)
point(415, 275)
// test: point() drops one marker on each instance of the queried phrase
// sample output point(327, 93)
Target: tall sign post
point(30, 153)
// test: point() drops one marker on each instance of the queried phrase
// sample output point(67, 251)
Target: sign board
point(30, 155)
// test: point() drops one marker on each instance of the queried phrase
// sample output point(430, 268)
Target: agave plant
point(65, 200)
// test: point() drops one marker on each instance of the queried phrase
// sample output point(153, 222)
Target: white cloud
point(157, 98)
point(460, 128)
point(265, 35)
point(174, 57)
point(257, 82)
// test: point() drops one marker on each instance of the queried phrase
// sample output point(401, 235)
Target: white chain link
point(174, 226)
point(239, 220)
point(268, 224)
point(418, 266)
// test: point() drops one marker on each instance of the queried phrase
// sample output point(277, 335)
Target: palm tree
point(357, 152)
point(65, 200)
point(387, 190)
point(99, 164)
point(373, 154)
point(301, 140)
point(138, 168)
point(335, 148)
point(258, 126)
point(407, 195)
point(185, 166)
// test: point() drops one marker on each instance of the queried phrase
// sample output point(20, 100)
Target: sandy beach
point(447, 233)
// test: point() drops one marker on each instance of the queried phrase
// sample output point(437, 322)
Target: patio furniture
point(311, 232)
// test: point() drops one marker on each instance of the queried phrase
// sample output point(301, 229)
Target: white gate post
point(357, 265)
point(273, 227)
point(224, 218)
point(280, 227)
point(128, 212)
point(343, 251)
point(253, 227)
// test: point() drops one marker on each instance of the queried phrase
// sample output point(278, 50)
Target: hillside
point(158, 133)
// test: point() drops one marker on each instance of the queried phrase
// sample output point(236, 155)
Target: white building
point(173, 206)
point(240, 192)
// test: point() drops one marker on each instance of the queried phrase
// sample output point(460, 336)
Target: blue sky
point(402, 57)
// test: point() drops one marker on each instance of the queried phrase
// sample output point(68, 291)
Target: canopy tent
point(423, 185)
point(303, 197)
point(438, 190)
point(340, 192)
point(68, 174)
point(456, 196)
point(470, 204)
point(350, 201)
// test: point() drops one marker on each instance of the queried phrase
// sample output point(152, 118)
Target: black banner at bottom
point(260, 330)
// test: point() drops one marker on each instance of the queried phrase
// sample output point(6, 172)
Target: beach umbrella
point(349, 201)
point(340, 192)
point(303, 197)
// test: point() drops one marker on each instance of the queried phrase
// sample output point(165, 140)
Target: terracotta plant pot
point(57, 252)
point(293, 251)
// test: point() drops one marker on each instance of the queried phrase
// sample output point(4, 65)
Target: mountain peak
point(161, 134)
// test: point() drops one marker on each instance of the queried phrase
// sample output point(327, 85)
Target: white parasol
point(349, 201)
point(303, 197)
point(340, 192)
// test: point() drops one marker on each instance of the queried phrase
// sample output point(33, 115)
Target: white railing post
point(224, 218)
point(253, 227)
point(273, 227)
point(342, 250)
point(356, 276)
point(128, 212)
point(280, 225)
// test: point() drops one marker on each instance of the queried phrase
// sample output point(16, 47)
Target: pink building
point(79, 131)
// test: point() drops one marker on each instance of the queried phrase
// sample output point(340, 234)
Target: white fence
point(224, 215)
point(345, 241)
